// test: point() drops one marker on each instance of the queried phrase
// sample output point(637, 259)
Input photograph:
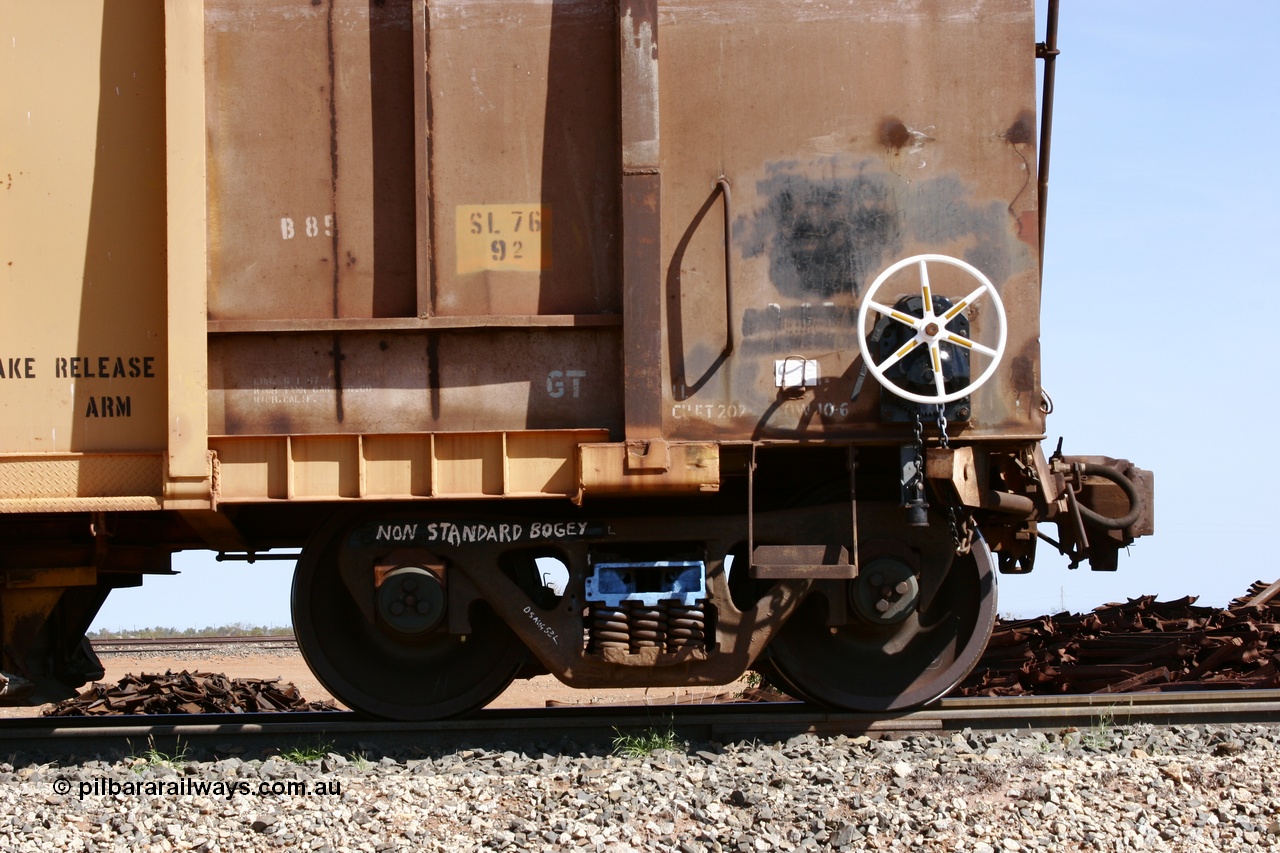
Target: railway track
point(586, 725)
point(190, 644)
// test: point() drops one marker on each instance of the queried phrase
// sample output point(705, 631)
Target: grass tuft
point(305, 754)
point(646, 743)
point(153, 757)
point(1100, 737)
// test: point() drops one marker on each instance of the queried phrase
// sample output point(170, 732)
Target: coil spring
point(609, 628)
point(687, 625)
point(668, 626)
point(648, 625)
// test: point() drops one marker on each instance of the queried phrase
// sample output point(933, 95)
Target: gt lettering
point(556, 385)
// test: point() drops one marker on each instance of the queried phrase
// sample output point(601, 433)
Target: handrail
point(1048, 51)
point(723, 186)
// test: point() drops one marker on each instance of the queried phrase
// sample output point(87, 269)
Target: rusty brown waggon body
point(639, 342)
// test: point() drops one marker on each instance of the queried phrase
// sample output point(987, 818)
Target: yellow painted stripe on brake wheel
point(906, 348)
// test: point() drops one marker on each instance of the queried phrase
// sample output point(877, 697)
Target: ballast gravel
point(220, 652)
point(1108, 788)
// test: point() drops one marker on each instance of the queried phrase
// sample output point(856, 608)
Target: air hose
point(1135, 502)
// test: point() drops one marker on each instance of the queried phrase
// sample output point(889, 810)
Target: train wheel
point(893, 652)
point(373, 667)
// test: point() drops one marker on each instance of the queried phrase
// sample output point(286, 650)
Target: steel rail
point(115, 645)
point(601, 723)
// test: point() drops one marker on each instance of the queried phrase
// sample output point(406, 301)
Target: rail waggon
point(639, 343)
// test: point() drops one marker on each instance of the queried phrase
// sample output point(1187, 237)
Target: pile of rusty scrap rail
point(186, 693)
point(1141, 645)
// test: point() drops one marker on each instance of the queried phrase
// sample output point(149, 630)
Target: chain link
point(918, 430)
point(961, 529)
point(913, 488)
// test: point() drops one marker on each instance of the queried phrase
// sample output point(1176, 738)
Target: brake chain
point(918, 432)
point(961, 529)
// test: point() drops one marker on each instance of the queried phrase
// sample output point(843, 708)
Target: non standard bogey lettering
point(452, 533)
point(105, 367)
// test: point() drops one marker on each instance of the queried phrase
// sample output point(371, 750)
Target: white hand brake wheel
point(931, 329)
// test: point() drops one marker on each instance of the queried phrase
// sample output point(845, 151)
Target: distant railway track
point(343, 731)
point(188, 644)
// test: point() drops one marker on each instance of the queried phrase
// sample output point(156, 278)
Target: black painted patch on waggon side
point(823, 236)
point(829, 236)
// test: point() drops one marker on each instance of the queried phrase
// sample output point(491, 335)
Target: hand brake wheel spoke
point(903, 351)
point(925, 292)
point(938, 378)
point(964, 303)
point(961, 340)
point(905, 319)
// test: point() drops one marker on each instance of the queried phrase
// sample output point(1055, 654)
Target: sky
point(1162, 207)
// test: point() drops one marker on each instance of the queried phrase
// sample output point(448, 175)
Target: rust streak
point(1018, 135)
point(338, 358)
point(431, 208)
point(333, 162)
point(333, 174)
point(894, 134)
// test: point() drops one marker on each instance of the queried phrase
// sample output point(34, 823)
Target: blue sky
point(1162, 214)
point(1162, 211)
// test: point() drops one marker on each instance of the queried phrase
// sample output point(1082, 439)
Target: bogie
point(637, 609)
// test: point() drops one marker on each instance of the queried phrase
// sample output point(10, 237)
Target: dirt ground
point(523, 693)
